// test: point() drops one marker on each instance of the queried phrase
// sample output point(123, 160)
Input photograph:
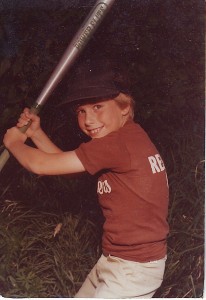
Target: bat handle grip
point(35, 109)
point(3, 158)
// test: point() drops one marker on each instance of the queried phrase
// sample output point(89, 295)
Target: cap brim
point(90, 93)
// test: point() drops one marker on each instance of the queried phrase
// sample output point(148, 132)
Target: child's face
point(100, 118)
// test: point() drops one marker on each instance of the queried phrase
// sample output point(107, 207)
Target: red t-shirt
point(132, 190)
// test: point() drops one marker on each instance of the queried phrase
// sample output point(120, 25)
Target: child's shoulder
point(131, 128)
point(134, 135)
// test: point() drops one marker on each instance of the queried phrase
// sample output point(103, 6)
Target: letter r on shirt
point(156, 163)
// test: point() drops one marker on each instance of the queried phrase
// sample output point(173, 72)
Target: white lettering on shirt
point(156, 163)
point(103, 187)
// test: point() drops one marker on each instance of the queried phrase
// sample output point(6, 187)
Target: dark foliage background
point(162, 43)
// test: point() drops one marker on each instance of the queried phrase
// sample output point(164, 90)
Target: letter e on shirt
point(156, 163)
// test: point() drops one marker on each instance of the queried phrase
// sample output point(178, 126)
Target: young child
point(132, 184)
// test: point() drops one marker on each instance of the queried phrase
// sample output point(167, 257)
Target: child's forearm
point(26, 155)
point(30, 158)
point(42, 142)
point(55, 162)
point(42, 163)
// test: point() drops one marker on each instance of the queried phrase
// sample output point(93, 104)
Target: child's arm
point(35, 132)
point(38, 161)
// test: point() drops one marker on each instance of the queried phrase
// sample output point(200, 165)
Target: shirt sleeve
point(104, 153)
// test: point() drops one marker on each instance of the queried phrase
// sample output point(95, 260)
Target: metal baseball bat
point(75, 47)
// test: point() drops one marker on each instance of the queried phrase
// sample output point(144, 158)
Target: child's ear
point(125, 110)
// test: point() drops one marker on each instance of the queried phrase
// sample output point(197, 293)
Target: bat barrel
point(75, 47)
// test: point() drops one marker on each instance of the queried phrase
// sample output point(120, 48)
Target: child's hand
point(12, 136)
point(24, 119)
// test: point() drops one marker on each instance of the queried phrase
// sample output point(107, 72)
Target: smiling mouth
point(94, 131)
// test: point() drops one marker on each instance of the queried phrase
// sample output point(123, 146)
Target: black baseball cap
point(96, 78)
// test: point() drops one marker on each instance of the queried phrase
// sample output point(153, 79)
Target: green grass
point(36, 263)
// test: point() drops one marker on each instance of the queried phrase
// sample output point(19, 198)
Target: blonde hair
point(123, 100)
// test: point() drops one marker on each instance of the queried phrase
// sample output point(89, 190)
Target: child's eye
point(97, 106)
point(80, 111)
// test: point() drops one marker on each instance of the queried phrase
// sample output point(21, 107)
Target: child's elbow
point(37, 171)
point(35, 167)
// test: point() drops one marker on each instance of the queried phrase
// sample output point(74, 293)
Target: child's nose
point(89, 118)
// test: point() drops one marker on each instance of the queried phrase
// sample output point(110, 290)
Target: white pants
point(113, 277)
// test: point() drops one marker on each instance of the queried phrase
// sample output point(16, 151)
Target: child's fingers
point(23, 116)
point(21, 122)
point(30, 116)
point(26, 116)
